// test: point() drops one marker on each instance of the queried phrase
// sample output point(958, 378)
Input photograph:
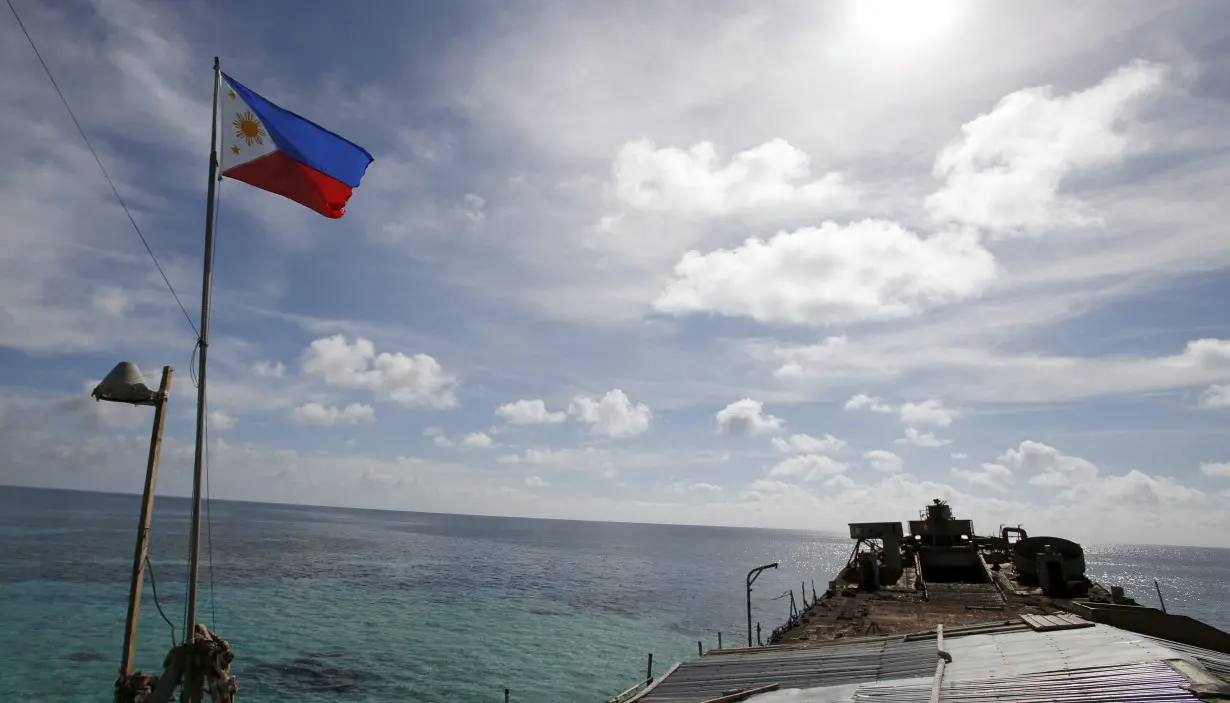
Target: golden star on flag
point(233, 95)
point(234, 150)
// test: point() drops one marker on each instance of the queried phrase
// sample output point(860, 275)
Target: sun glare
point(902, 23)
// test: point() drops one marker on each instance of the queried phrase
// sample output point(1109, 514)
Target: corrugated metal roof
point(1026, 652)
point(715, 675)
point(1007, 662)
point(1216, 663)
point(1150, 682)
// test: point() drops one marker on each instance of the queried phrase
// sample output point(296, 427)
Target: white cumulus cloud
point(927, 440)
point(809, 467)
point(693, 181)
point(219, 420)
point(612, 415)
point(863, 401)
point(477, 440)
point(529, 412)
point(1005, 173)
point(1219, 469)
point(806, 444)
point(1049, 466)
point(993, 476)
point(411, 380)
point(317, 414)
point(832, 274)
point(883, 461)
point(746, 417)
point(928, 412)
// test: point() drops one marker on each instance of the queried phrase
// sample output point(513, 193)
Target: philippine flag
point(279, 151)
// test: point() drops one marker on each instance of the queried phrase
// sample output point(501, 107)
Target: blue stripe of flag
point(307, 142)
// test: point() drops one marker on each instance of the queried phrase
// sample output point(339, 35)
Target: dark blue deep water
point(328, 604)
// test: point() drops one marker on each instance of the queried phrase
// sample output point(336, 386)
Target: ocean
point(331, 604)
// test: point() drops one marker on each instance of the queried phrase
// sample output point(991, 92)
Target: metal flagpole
point(194, 551)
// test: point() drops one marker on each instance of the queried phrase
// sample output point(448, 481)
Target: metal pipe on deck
point(751, 578)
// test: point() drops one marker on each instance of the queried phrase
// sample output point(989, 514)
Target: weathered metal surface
point(714, 676)
point(1217, 663)
point(1007, 662)
point(1058, 621)
point(1151, 682)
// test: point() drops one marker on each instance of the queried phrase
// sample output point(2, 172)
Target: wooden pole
point(700, 649)
point(719, 639)
point(147, 514)
point(1159, 595)
point(507, 695)
point(649, 670)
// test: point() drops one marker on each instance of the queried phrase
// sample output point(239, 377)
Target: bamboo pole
point(147, 514)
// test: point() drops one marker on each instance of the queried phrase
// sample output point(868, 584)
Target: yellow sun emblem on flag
point(248, 128)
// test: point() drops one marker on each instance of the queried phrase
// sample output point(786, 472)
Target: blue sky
point(783, 265)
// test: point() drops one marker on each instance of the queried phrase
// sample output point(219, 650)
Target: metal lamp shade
point(125, 385)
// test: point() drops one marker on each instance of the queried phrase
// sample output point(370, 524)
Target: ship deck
point(1012, 660)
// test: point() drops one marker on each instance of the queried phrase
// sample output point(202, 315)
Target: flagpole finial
point(216, 64)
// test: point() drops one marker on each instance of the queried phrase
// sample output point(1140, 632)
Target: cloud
point(477, 440)
point(983, 375)
point(809, 467)
point(866, 402)
point(993, 476)
point(692, 181)
point(1217, 396)
point(104, 415)
point(110, 301)
point(926, 440)
point(612, 415)
point(269, 369)
point(833, 274)
point(529, 412)
point(317, 414)
point(415, 380)
point(1137, 489)
point(928, 412)
point(704, 488)
point(1221, 470)
point(746, 417)
point(1006, 171)
point(1050, 467)
point(806, 444)
point(548, 456)
point(883, 461)
point(219, 420)
point(534, 482)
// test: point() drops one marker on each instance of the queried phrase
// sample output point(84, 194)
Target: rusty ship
point(939, 613)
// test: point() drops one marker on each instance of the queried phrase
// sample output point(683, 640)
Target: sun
point(902, 23)
point(248, 128)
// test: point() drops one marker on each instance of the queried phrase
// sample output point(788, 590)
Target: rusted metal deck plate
point(1058, 621)
point(982, 595)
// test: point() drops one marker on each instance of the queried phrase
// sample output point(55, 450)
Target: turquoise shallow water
point(328, 604)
